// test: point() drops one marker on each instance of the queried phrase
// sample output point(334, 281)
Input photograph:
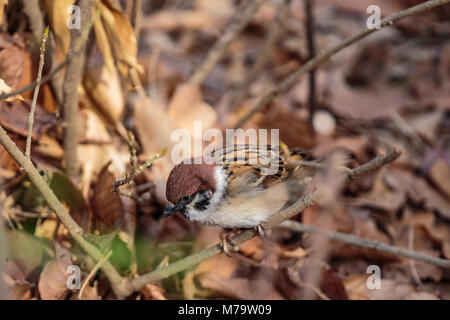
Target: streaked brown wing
point(251, 165)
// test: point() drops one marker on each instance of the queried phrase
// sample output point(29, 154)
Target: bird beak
point(171, 209)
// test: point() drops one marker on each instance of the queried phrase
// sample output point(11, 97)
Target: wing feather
point(250, 164)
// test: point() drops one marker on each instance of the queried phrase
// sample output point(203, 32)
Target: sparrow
point(242, 187)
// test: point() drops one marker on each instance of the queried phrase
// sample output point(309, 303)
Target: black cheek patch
point(202, 204)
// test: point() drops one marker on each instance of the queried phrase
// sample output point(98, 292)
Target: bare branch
point(72, 79)
point(118, 284)
point(366, 243)
point(35, 95)
point(242, 17)
point(133, 160)
point(263, 54)
point(323, 57)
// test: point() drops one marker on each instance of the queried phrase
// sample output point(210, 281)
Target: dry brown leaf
point(16, 67)
point(104, 89)
point(295, 132)
point(107, 207)
point(121, 36)
point(49, 146)
point(356, 145)
point(3, 3)
point(52, 281)
point(153, 292)
point(46, 229)
point(295, 280)
point(18, 287)
point(184, 19)
point(420, 191)
point(440, 175)
point(187, 106)
point(297, 253)
point(21, 290)
point(90, 293)
point(92, 156)
point(388, 6)
point(58, 16)
point(383, 196)
point(357, 289)
point(220, 265)
point(25, 251)
point(438, 232)
point(357, 222)
point(14, 117)
point(4, 88)
point(154, 129)
point(253, 249)
point(240, 288)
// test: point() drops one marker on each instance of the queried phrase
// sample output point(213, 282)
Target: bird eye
point(186, 198)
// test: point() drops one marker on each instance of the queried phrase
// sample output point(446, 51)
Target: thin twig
point(412, 263)
point(93, 272)
point(242, 17)
point(299, 206)
point(263, 54)
point(366, 243)
point(323, 57)
point(36, 19)
point(309, 24)
point(136, 171)
point(35, 95)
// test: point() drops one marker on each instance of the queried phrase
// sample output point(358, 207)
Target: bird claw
point(227, 245)
point(263, 230)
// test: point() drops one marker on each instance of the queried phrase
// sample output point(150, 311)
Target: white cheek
point(208, 215)
point(221, 184)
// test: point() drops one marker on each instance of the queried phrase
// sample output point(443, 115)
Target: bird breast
point(244, 210)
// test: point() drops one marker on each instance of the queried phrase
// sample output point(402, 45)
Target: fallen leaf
point(440, 174)
point(240, 288)
point(58, 15)
point(3, 3)
point(52, 281)
point(357, 289)
point(16, 67)
point(25, 250)
point(121, 35)
point(187, 106)
point(107, 207)
point(4, 88)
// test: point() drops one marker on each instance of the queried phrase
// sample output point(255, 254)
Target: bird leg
point(227, 245)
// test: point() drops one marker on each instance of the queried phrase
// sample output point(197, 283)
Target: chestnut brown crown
point(188, 179)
